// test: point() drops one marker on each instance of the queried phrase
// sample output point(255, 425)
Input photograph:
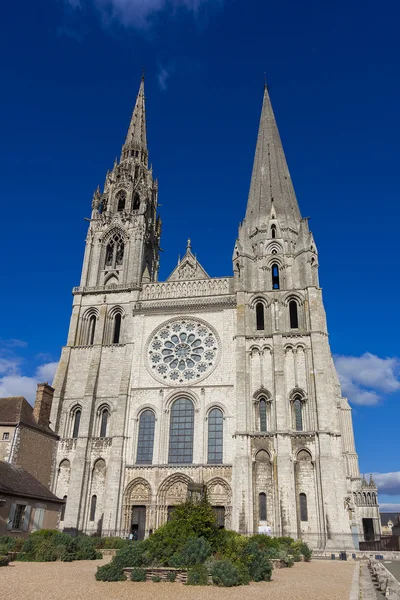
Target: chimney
point(43, 402)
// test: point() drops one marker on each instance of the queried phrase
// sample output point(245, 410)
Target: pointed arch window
point(136, 201)
point(293, 315)
point(115, 251)
point(215, 436)
point(273, 231)
point(76, 416)
point(275, 277)
point(260, 321)
point(104, 419)
point(63, 507)
point(262, 506)
point(117, 328)
point(263, 414)
point(298, 413)
point(144, 455)
point(303, 507)
point(91, 330)
point(181, 432)
point(93, 505)
point(121, 201)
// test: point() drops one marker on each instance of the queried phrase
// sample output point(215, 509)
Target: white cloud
point(364, 379)
point(137, 13)
point(387, 507)
point(46, 372)
point(162, 77)
point(388, 483)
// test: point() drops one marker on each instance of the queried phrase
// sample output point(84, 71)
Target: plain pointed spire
point(271, 184)
point(136, 136)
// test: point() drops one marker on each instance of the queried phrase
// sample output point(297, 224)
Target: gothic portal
point(227, 382)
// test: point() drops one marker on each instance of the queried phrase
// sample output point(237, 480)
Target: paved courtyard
point(318, 580)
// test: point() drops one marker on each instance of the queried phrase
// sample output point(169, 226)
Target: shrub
point(256, 558)
point(138, 574)
point(4, 560)
point(224, 573)
point(85, 549)
point(10, 544)
point(285, 558)
point(156, 579)
point(171, 576)
point(109, 572)
point(197, 575)
point(305, 551)
point(114, 543)
point(133, 555)
point(194, 552)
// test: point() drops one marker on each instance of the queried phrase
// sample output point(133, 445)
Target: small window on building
point(77, 421)
point(275, 277)
point(260, 324)
point(121, 199)
point(6, 435)
point(136, 201)
point(63, 507)
point(19, 516)
point(104, 422)
point(303, 508)
point(298, 416)
point(263, 415)
point(262, 506)
point(273, 231)
point(293, 314)
point(92, 329)
point(117, 328)
point(93, 504)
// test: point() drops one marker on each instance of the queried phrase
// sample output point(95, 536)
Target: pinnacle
point(271, 184)
point(136, 136)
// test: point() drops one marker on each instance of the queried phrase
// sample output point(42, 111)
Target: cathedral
point(226, 383)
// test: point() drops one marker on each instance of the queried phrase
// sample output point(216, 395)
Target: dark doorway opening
point(138, 526)
point(219, 512)
point(368, 527)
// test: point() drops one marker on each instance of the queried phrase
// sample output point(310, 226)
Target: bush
point(156, 579)
point(85, 549)
point(133, 555)
point(194, 552)
point(197, 575)
point(4, 560)
point(109, 572)
point(114, 543)
point(10, 544)
point(171, 576)
point(256, 558)
point(305, 551)
point(224, 573)
point(138, 574)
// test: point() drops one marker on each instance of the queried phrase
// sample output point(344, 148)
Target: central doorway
point(138, 525)
point(368, 527)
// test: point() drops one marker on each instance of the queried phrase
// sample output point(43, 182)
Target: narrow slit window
point(63, 507)
point(93, 504)
point(263, 415)
point(77, 421)
point(136, 202)
point(275, 277)
point(303, 508)
point(262, 506)
point(298, 416)
point(92, 329)
point(260, 323)
point(293, 314)
point(104, 423)
point(273, 231)
point(117, 328)
point(121, 201)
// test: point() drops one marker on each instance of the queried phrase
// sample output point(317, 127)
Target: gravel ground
point(318, 580)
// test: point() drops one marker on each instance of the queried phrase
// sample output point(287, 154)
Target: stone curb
point(355, 584)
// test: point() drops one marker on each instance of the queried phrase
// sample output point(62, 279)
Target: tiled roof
point(389, 516)
point(16, 481)
point(17, 409)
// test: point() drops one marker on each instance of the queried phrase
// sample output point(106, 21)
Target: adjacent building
point(227, 382)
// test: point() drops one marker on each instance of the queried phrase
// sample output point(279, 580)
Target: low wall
point(387, 583)
point(356, 555)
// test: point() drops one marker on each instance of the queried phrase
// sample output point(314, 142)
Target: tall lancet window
point(121, 201)
point(91, 330)
point(298, 414)
point(275, 277)
point(263, 414)
point(293, 315)
point(273, 231)
point(144, 455)
point(117, 328)
point(181, 432)
point(260, 323)
point(115, 251)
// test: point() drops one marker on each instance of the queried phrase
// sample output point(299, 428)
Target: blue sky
point(70, 73)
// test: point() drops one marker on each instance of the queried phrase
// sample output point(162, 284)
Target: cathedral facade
point(227, 382)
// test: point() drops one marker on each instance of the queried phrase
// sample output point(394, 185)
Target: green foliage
point(4, 560)
point(256, 557)
point(133, 555)
point(225, 574)
point(10, 544)
point(171, 576)
point(109, 572)
point(305, 551)
point(138, 574)
point(105, 543)
point(194, 552)
point(197, 575)
point(156, 579)
point(47, 545)
point(85, 549)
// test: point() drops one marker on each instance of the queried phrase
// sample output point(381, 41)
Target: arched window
point(275, 277)
point(293, 315)
point(263, 414)
point(117, 328)
point(145, 445)
point(260, 316)
point(273, 231)
point(76, 420)
point(181, 432)
point(136, 201)
point(91, 330)
point(115, 251)
point(303, 508)
point(121, 200)
point(63, 507)
point(215, 436)
point(93, 507)
point(298, 416)
point(262, 506)
point(104, 415)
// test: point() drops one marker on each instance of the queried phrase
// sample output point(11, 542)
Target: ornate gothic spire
point(271, 185)
point(136, 137)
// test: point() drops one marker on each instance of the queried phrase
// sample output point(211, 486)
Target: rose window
point(182, 351)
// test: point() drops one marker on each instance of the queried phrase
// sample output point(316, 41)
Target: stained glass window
point(215, 436)
point(263, 415)
point(181, 432)
point(146, 438)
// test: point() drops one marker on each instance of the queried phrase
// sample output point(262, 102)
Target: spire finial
point(142, 75)
point(265, 81)
point(136, 141)
point(189, 245)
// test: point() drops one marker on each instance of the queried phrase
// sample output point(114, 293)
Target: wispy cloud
point(13, 382)
point(366, 379)
point(388, 483)
point(138, 13)
point(163, 75)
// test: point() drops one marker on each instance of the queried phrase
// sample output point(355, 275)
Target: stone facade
point(227, 382)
